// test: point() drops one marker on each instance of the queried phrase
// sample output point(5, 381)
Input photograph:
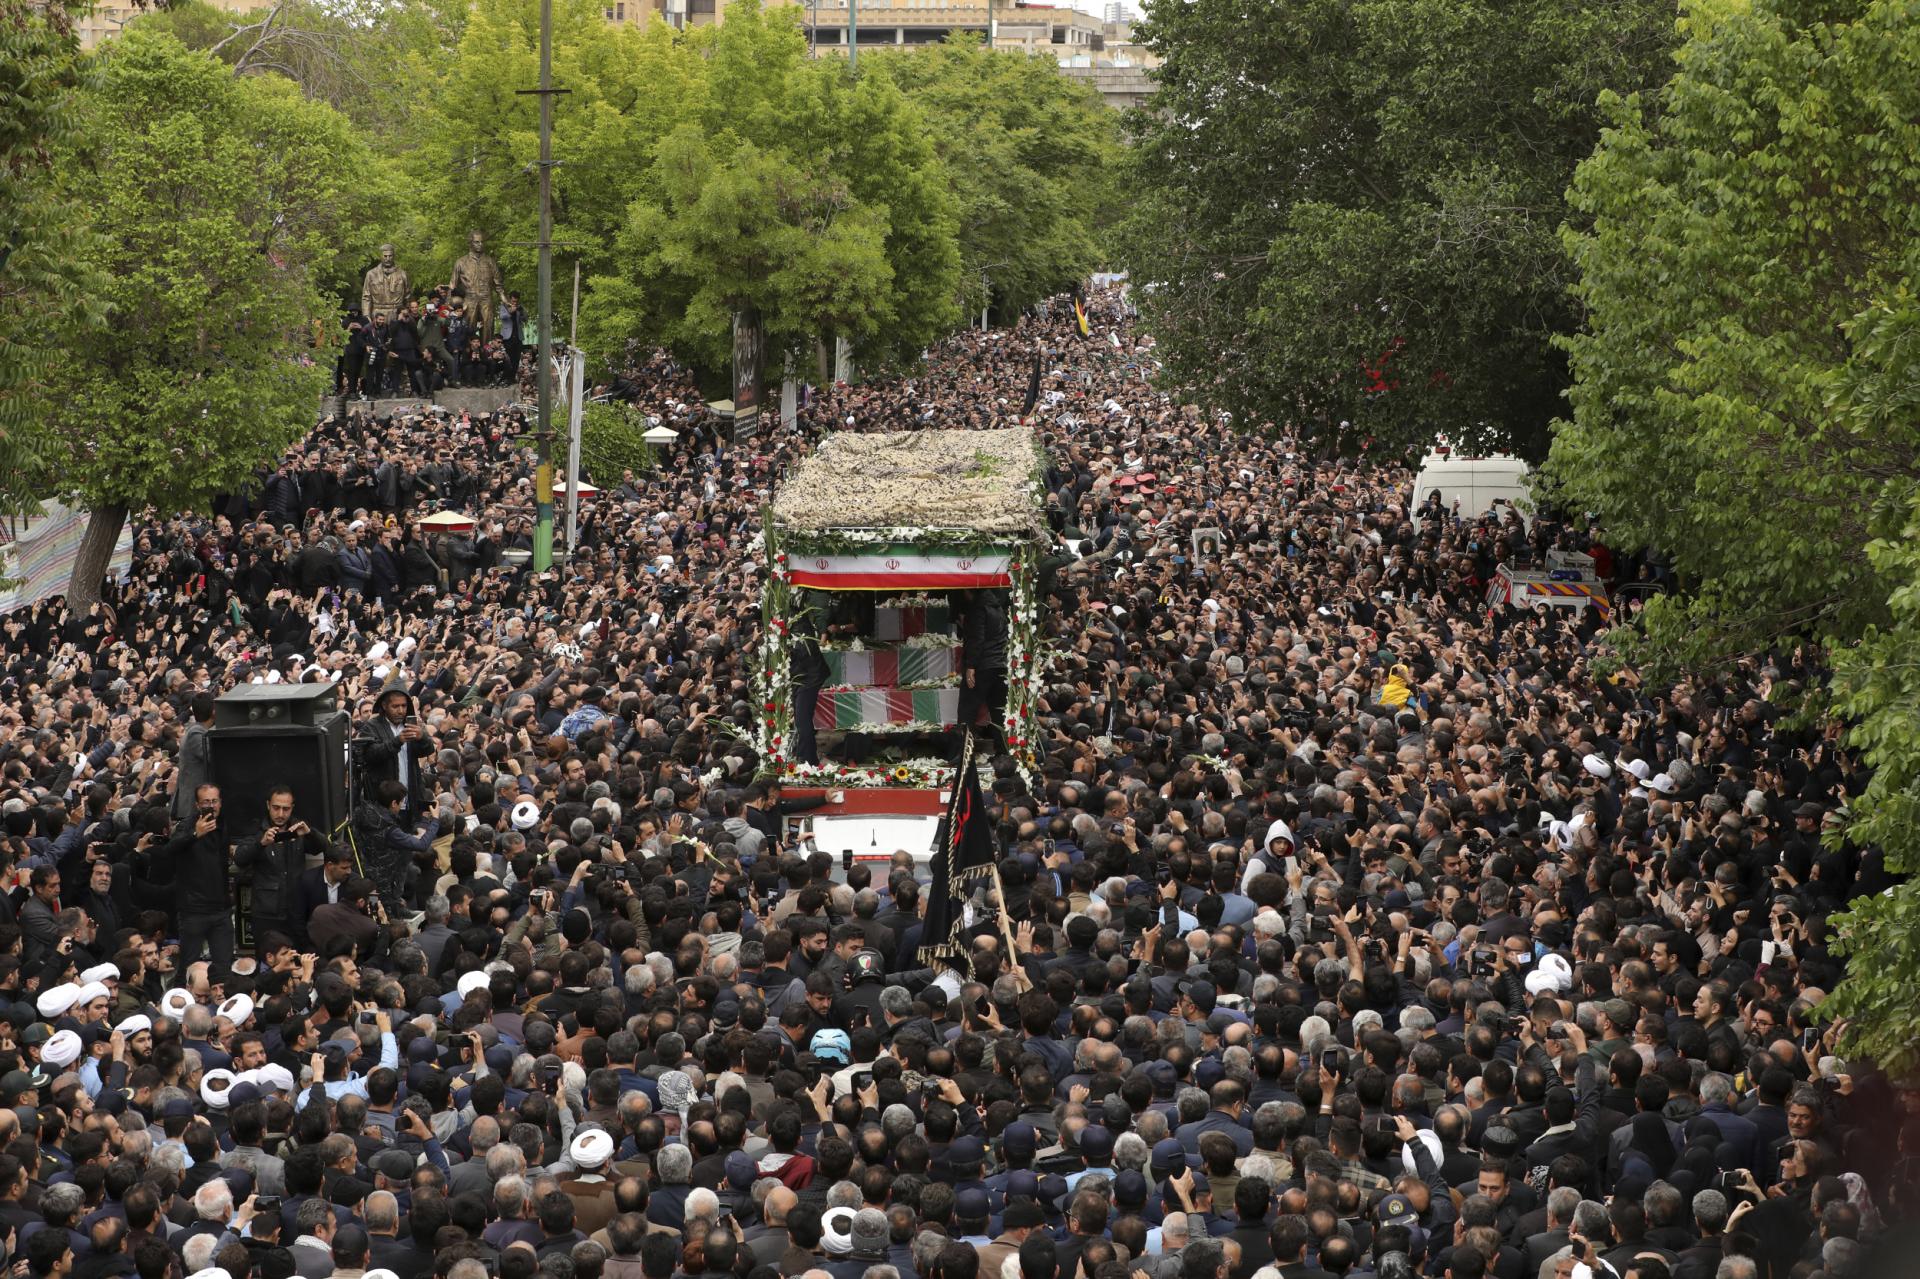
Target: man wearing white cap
point(57, 1001)
point(591, 1192)
point(60, 1051)
point(130, 1045)
point(90, 1003)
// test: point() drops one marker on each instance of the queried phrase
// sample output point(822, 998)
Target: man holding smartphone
point(199, 864)
point(394, 746)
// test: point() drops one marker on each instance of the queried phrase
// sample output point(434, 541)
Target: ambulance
point(1567, 582)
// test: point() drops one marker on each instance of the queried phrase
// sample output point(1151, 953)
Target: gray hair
point(844, 1194)
point(702, 1204)
point(66, 1199)
point(504, 1160)
point(1737, 1268)
point(439, 909)
point(897, 1121)
point(1710, 1210)
point(1591, 1219)
point(1715, 1088)
point(896, 1001)
point(510, 1195)
point(198, 1252)
point(1840, 1257)
point(382, 1212)
point(1130, 1152)
point(674, 1164)
point(1560, 1204)
point(1202, 1257)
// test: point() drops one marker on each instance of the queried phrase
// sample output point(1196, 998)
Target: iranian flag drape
point(894, 624)
point(848, 708)
point(901, 568)
point(893, 666)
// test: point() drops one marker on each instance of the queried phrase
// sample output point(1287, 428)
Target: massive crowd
point(1357, 930)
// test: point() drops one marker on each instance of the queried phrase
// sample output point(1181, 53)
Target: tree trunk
point(96, 552)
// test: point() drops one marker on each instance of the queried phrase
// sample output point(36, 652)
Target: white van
point(1477, 483)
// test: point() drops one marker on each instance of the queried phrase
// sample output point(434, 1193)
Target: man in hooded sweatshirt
point(395, 746)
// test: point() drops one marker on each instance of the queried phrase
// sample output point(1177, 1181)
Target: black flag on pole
point(962, 860)
point(1033, 383)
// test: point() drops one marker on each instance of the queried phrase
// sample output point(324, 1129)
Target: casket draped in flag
point(962, 860)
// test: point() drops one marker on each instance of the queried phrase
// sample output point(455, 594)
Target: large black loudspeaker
point(310, 758)
point(275, 704)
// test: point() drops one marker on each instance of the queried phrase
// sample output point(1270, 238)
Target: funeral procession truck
point(878, 549)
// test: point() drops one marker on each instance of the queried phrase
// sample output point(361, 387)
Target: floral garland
point(775, 734)
point(1024, 645)
point(921, 774)
point(840, 541)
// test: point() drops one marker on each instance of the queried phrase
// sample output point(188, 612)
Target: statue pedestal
point(471, 399)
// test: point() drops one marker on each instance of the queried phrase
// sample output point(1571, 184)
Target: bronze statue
point(386, 288)
point(477, 276)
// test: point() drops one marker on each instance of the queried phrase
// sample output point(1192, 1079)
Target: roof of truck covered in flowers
point(976, 481)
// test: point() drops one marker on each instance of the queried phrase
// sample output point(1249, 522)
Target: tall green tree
point(217, 203)
point(474, 138)
point(1032, 156)
point(367, 58)
point(47, 285)
point(790, 187)
point(1745, 384)
point(1347, 209)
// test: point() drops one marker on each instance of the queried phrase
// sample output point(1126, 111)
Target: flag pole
point(1015, 968)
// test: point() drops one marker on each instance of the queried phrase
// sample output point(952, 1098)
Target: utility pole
point(853, 36)
point(543, 433)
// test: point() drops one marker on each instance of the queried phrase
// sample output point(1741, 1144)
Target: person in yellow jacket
point(1399, 689)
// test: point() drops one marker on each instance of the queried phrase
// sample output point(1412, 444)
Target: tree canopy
point(47, 284)
point(1744, 390)
point(1032, 157)
point(1346, 211)
point(788, 186)
point(218, 204)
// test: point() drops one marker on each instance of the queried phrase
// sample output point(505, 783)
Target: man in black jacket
point(197, 863)
point(983, 651)
point(277, 855)
point(395, 747)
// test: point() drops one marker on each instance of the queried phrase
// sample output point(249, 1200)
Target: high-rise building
point(1117, 11)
